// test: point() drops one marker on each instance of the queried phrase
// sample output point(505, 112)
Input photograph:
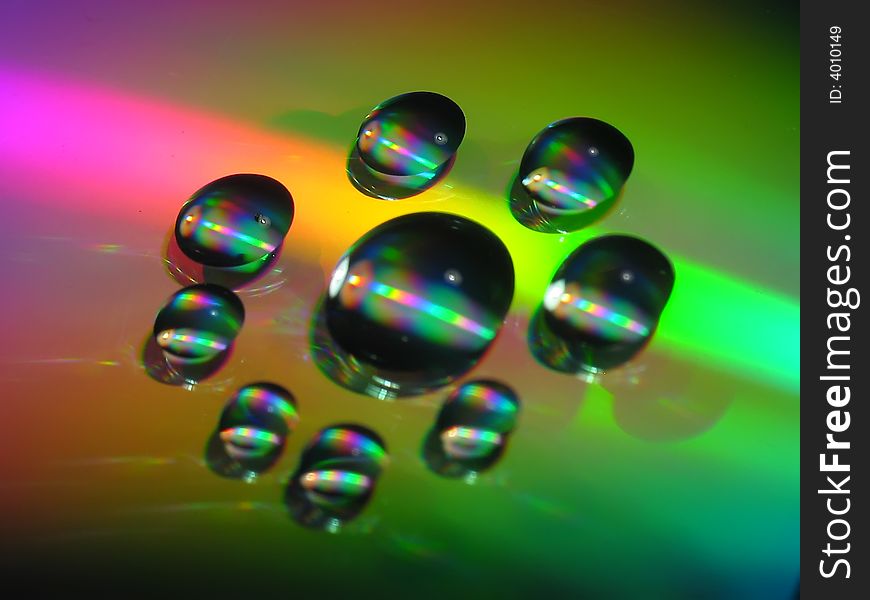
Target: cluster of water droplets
point(414, 304)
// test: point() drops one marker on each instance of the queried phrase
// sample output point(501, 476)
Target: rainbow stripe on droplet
point(369, 291)
point(405, 152)
point(351, 443)
point(250, 434)
point(229, 232)
point(602, 312)
point(336, 481)
point(472, 434)
point(485, 397)
point(256, 398)
point(170, 338)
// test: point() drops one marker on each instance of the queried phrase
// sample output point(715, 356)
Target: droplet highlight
point(252, 431)
point(472, 429)
point(602, 306)
point(336, 477)
point(571, 175)
point(406, 145)
point(234, 221)
point(413, 305)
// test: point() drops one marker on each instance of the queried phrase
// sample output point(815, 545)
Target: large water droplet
point(198, 324)
point(252, 431)
point(405, 145)
point(602, 306)
point(336, 477)
point(571, 175)
point(472, 429)
point(414, 304)
point(235, 220)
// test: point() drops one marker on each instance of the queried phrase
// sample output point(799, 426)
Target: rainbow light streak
point(439, 312)
point(194, 300)
point(167, 338)
point(269, 399)
point(353, 443)
point(490, 398)
point(559, 148)
point(602, 312)
point(224, 230)
point(471, 434)
point(565, 190)
point(235, 434)
point(339, 479)
point(747, 329)
point(405, 152)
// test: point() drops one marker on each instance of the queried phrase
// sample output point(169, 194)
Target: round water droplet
point(198, 324)
point(235, 220)
point(336, 477)
point(253, 429)
point(571, 175)
point(472, 429)
point(414, 304)
point(406, 145)
point(602, 306)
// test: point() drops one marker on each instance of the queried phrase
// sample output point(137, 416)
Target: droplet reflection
point(252, 431)
point(571, 175)
point(235, 220)
point(406, 145)
point(197, 327)
point(336, 477)
point(472, 429)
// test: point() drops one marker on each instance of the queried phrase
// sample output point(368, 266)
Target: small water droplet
point(253, 430)
point(198, 324)
point(394, 324)
point(406, 145)
point(472, 429)
point(602, 306)
point(336, 476)
point(571, 175)
point(235, 220)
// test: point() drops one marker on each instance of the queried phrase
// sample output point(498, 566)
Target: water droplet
point(393, 324)
point(602, 306)
point(406, 145)
point(571, 175)
point(234, 221)
point(472, 429)
point(198, 324)
point(252, 430)
point(336, 476)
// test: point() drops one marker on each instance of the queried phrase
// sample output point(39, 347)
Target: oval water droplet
point(235, 220)
point(405, 145)
point(602, 306)
point(571, 175)
point(198, 324)
point(394, 324)
point(252, 430)
point(336, 476)
point(472, 429)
